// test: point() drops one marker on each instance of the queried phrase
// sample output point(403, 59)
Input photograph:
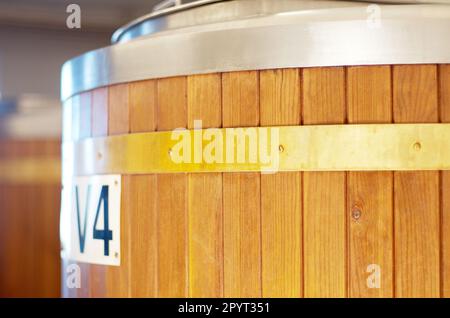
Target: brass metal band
point(30, 170)
point(266, 149)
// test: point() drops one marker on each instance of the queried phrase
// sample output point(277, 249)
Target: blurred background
point(34, 43)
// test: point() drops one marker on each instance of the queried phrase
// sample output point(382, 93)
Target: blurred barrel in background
point(29, 197)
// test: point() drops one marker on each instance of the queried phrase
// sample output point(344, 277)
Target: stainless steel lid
point(174, 14)
point(30, 116)
point(218, 36)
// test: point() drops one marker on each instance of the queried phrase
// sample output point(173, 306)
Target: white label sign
point(92, 219)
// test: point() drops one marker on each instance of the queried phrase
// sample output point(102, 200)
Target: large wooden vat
point(29, 197)
point(362, 223)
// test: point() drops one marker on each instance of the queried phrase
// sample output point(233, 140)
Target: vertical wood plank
point(172, 197)
point(369, 94)
point(242, 235)
point(27, 233)
point(100, 112)
point(99, 129)
point(69, 122)
point(280, 97)
point(241, 193)
point(45, 225)
point(143, 278)
point(415, 94)
point(118, 278)
point(369, 208)
point(48, 233)
point(205, 195)
point(5, 146)
point(143, 106)
point(143, 212)
point(29, 242)
point(205, 239)
point(205, 100)
point(417, 211)
point(85, 130)
point(4, 206)
point(172, 106)
point(444, 103)
point(281, 199)
point(82, 122)
point(21, 282)
point(119, 110)
point(324, 192)
point(172, 236)
point(240, 98)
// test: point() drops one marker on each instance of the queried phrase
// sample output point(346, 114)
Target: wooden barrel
point(358, 204)
point(29, 197)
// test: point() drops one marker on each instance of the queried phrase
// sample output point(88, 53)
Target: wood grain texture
point(172, 236)
point(70, 127)
point(118, 282)
point(281, 235)
point(281, 203)
point(280, 97)
point(417, 234)
point(45, 243)
point(144, 232)
point(99, 128)
point(240, 96)
point(143, 106)
point(205, 195)
point(172, 106)
point(98, 281)
point(100, 112)
point(369, 94)
point(241, 193)
point(4, 204)
point(29, 248)
point(444, 92)
point(242, 235)
point(205, 235)
point(444, 103)
point(85, 117)
point(119, 109)
point(417, 210)
point(324, 192)
point(415, 94)
point(323, 95)
point(370, 233)
point(370, 193)
point(143, 209)
point(205, 100)
point(47, 230)
point(81, 128)
point(281, 193)
point(18, 274)
point(82, 109)
point(172, 197)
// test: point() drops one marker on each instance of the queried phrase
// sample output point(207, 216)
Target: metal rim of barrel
point(296, 34)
